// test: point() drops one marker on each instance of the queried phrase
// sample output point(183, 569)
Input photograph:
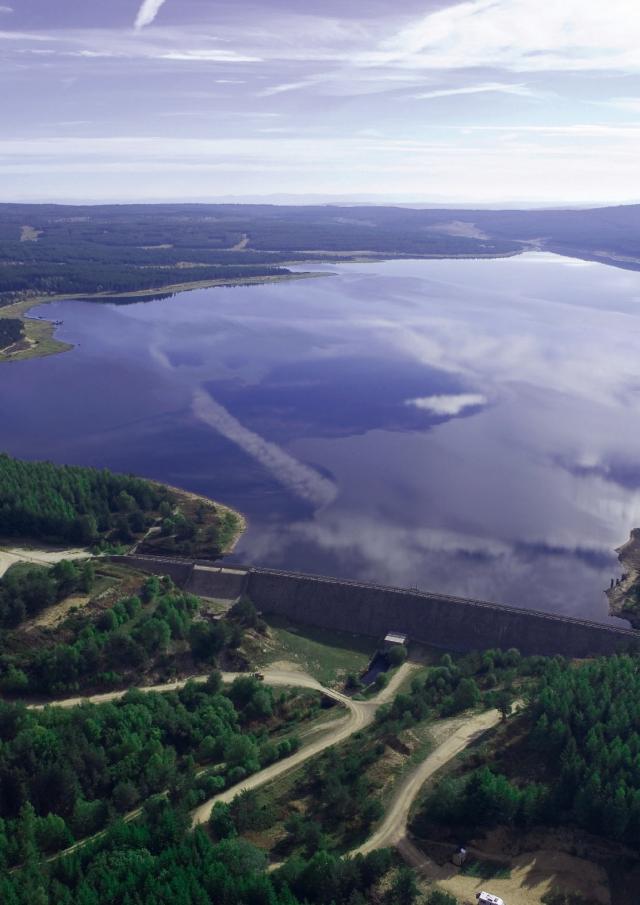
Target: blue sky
point(485, 101)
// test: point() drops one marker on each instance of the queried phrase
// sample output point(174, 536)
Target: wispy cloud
point(482, 88)
point(6, 9)
point(285, 87)
point(147, 12)
point(208, 56)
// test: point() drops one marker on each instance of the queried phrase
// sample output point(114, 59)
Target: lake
point(465, 426)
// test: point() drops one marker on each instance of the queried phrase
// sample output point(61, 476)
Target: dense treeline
point(80, 250)
point(71, 771)
point(585, 743)
point(80, 277)
point(588, 722)
point(72, 504)
point(11, 331)
point(157, 861)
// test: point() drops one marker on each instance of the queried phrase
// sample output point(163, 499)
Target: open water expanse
point(466, 426)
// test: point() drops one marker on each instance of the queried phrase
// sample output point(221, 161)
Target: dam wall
point(452, 623)
point(218, 582)
point(204, 578)
point(448, 622)
point(179, 570)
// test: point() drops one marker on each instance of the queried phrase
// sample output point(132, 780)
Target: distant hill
point(48, 248)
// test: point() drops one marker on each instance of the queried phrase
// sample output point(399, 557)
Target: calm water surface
point(464, 426)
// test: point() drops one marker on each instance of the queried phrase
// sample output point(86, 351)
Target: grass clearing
point(328, 656)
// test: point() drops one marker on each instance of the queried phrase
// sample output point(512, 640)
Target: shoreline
point(624, 593)
point(221, 508)
point(39, 334)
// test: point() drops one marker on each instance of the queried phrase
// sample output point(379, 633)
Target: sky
point(477, 102)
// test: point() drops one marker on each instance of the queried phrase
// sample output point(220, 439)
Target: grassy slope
point(328, 656)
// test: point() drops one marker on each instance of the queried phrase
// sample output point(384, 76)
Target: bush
point(382, 680)
point(396, 655)
point(439, 897)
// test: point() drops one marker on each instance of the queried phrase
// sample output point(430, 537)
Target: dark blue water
point(463, 426)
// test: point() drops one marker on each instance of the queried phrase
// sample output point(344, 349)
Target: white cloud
point(521, 35)
point(482, 88)
point(6, 9)
point(482, 166)
point(448, 405)
point(207, 56)
point(147, 12)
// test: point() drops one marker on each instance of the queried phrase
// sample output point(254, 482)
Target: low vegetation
point(328, 805)
point(139, 637)
point(26, 590)
point(328, 656)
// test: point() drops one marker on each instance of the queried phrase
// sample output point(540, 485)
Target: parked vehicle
point(485, 898)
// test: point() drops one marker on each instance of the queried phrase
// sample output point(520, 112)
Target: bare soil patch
point(534, 875)
point(29, 234)
point(41, 556)
point(463, 228)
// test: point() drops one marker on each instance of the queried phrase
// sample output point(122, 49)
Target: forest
point(577, 763)
point(74, 771)
point(77, 277)
point(158, 861)
point(69, 504)
point(97, 508)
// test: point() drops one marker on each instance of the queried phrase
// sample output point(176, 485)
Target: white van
point(485, 898)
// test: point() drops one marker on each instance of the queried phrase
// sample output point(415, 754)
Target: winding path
point(393, 829)
point(360, 714)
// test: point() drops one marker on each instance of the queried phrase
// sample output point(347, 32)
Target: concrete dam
point(454, 623)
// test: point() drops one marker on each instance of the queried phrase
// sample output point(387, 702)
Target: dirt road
point(394, 826)
point(41, 557)
point(360, 714)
